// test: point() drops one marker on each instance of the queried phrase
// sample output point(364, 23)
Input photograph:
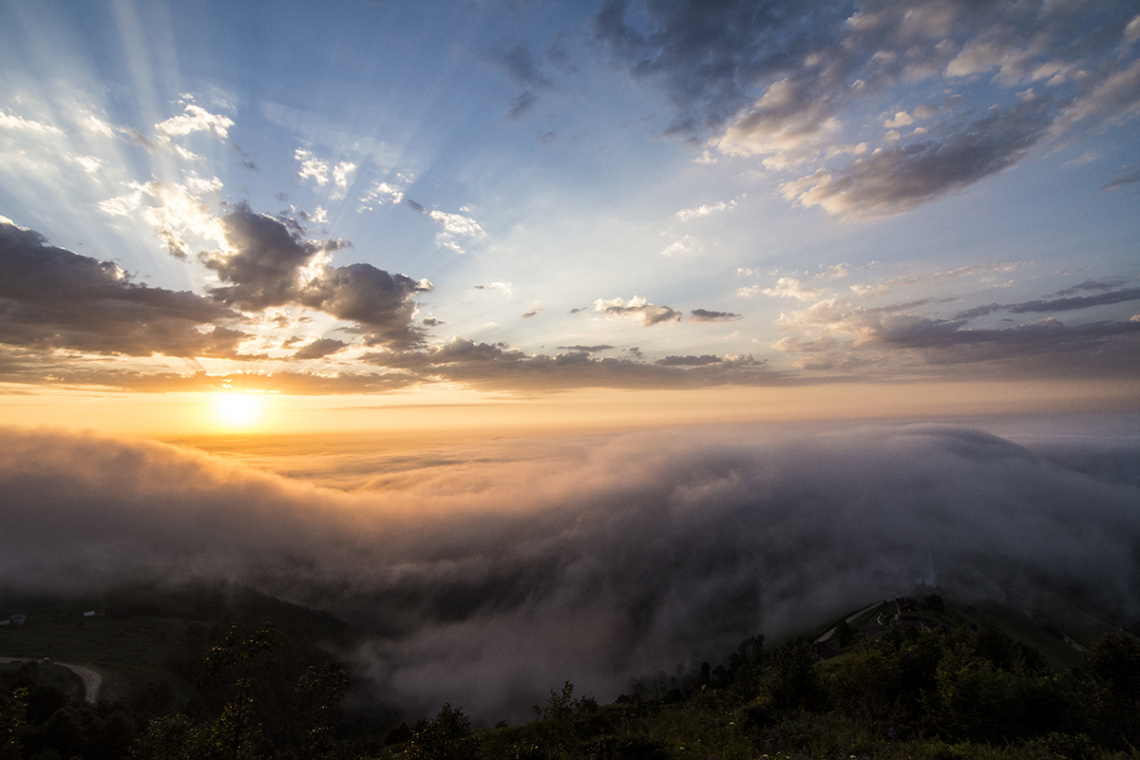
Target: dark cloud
point(1056, 304)
point(524, 69)
point(319, 349)
point(264, 268)
point(265, 263)
point(893, 180)
point(1093, 285)
point(1046, 349)
point(51, 298)
point(688, 361)
point(837, 334)
point(497, 366)
point(488, 576)
point(704, 315)
point(790, 84)
point(520, 64)
point(710, 59)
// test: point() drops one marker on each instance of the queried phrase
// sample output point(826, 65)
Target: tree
point(796, 682)
point(12, 711)
point(1114, 664)
point(235, 734)
point(442, 738)
point(319, 692)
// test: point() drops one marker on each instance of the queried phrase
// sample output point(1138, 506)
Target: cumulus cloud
point(51, 298)
point(179, 212)
point(790, 287)
point(487, 577)
point(194, 118)
point(268, 264)
point(637, 309)
point(456, 228)
point(312, 167)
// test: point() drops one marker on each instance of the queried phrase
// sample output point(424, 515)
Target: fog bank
point(488, 580)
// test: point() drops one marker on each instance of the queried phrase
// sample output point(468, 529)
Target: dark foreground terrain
point(208, 671)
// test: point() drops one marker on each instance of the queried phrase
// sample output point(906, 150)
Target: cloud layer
point(790, 86)
point(487, 580)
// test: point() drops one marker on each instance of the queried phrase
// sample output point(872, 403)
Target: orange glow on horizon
point(440, 411)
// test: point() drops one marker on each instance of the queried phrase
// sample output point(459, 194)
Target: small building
point(906, 612)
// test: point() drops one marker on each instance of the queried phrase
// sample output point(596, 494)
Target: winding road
point(92, 679)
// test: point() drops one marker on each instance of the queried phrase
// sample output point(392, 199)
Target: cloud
point(504, 287)
point(638, 309)
point(20, 124)
point(497, 366)
point(455, 226)
point(791, 87)
point(521, 66)
point(268, 264)
point(836, 333)
point(51, 298)
point(684, 246)
point(487, 577)
point(586, 349)
point(319, 349)
point(193, 119)
point(688, 214)
point(1056, 304)
point(178, 211)
point(312, 167)
point(893, 180)
point(689, 361)
point(790, 287)
point(707, 59)
point(880, 288)
point(704, 315)
point(318, 170)
point(382, 193)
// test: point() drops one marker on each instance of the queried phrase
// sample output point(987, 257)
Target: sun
point(238, 411)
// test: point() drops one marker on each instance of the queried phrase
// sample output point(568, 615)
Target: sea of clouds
point(487, 579)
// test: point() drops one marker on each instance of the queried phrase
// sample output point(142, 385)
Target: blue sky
point(364, 196)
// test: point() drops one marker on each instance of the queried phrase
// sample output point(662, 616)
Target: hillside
point(933, 679)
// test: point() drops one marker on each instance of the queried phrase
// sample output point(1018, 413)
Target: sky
point(557, 208)
point(552, 341)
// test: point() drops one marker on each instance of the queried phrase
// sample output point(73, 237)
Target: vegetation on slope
point(966, 682)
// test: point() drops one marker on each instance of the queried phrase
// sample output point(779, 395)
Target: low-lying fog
point(486, 576)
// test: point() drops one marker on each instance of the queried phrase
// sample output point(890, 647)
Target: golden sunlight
point(237, 410)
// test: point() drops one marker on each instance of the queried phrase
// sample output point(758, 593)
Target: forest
point(940, 680)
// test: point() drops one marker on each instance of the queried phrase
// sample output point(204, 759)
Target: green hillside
point(936, 679)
